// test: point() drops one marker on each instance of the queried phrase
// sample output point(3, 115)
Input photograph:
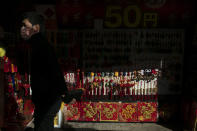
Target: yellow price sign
point(116, 17)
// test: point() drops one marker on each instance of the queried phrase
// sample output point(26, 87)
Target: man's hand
point(72, 96)
point(73, 101)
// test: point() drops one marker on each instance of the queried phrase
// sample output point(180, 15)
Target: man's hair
point(35, 18)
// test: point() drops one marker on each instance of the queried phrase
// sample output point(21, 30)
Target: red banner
point(109, 111)
point(128, 112)
point(72, 112)
point(89, 111)
point(147, 111)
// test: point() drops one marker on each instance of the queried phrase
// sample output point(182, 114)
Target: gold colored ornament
point(92, 74)
point(147, 114)
point(108, 112)
point(90, 111)
point(128, 112)
point(141, 118)
point(116, 74)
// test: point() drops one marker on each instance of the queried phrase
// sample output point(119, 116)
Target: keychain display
point(17, 89)
point(136, 85)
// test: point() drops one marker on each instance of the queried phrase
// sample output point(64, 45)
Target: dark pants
point(44, 119)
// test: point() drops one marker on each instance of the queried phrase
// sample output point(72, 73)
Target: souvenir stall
point(116, 97)
point(18, 108)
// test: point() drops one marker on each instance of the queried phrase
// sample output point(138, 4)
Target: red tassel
point(15, 69)
point(26, 86)
point(98, 93)
point(6, 68)
point(26, 77)
point(144, 95)
point(82, 86)
point(99, 89)
point(10, 88)
point(110, 85)
point(111, 92)
point(19, 79)
point(147, 91)
point(102, 93)
point(138, 86)
point(124, 92)
point(151, 94)
point(154, 72)
point(139, 89)
point(128, 90)
point(133, 92)
point(78, 79)
point(86, 88)
point(65, 74)
point(119, 92)
point(106, 90)
point(82, 78)
point(95, 88)
point(141, 92)
point(156, 94)
point(92, 93)
point(6, 64)
point(69, 77)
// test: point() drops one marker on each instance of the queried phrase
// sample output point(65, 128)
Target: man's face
point(27, 29)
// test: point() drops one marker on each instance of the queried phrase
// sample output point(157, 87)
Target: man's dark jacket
point(47, 80)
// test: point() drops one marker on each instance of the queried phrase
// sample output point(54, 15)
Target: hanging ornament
point(92, 74)
point(19, 80)
point(128, 86)
point(106, 87)
point(87, 88)
point(116, 74)
point(103, 88)
point(111, 89)
point(78, 79)
point(133, 91)
point(141, 90)
point(82, 85)
point(10, 89)
point(144, 88)
point(99, 88)
point(26, 87)
point(16, 82)
point(6, 67)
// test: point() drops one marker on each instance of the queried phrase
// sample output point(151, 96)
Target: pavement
point(91, 126)
point(110, 126)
